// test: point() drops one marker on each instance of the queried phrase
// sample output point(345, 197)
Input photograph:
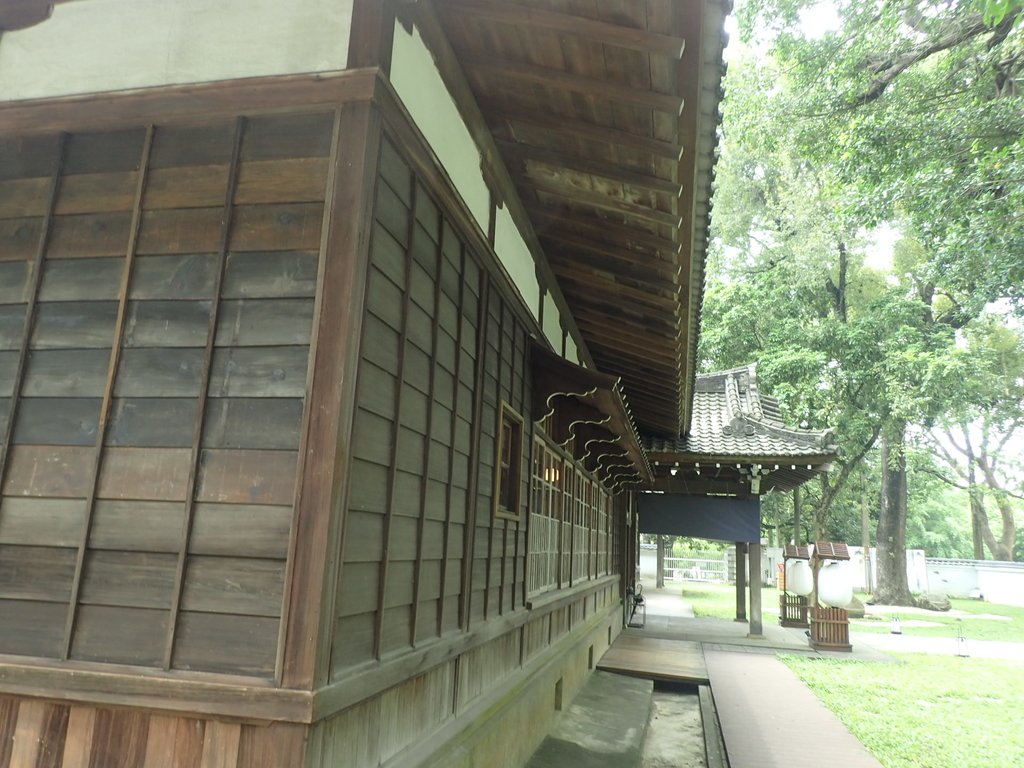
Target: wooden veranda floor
point(768, 717)
point(656, 658)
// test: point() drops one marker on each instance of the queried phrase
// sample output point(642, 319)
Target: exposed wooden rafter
point(570, 24)
point(505, 70)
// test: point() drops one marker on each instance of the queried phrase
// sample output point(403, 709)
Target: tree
point(972, 441)
point(909, 112)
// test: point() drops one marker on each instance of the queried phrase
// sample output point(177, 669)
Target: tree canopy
point(902, 117)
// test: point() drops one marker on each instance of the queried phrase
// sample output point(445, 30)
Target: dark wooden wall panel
point(421, 484)
point(184, 260)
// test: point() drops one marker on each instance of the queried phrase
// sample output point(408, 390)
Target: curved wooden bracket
point(577, 400)
point(568, 414)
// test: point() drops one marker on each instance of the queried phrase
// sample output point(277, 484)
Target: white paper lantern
point(799, 579)
point(835, 587)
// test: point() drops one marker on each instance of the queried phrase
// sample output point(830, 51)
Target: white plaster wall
point(516, 257)
point(571, 353)
point(552, 323)
point(1002, 586)
point(91, 46)
point(418, 82)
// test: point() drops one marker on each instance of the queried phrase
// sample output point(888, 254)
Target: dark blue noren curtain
point(701, 517)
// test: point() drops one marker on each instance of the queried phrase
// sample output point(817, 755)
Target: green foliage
point(909, 115)
point(917, 107)
point(994, 11)
point(935, 711)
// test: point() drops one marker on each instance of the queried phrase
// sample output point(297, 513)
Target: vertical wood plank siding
point(156, 303)
point(423, 553)
point(42, 734)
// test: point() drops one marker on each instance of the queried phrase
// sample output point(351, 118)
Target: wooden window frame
point(509, 419)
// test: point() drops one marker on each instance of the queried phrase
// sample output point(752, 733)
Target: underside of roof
point(605, 113)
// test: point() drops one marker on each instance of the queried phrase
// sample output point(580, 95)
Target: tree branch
point(891, 68)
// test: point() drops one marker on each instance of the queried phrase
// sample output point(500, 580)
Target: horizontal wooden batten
point(579, 26)
point(171, 691)
point(204, 100)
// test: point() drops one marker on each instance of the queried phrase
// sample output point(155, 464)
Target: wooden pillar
point(660, 581)
point(756, 626)
point(741, 581)
point(798, 535)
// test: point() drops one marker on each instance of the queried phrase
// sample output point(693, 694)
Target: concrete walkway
point(770, 719)
point(604, 727)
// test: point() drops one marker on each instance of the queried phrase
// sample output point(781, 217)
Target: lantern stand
point(961, 640)
point(792, 608)
point(830, 626)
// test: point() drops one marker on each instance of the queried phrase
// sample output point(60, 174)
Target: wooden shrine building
point(336, 340)
point(708, 482)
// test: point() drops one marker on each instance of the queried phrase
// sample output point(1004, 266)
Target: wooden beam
point(557, 239)
point(189, 693)
point(568, 275)
point(504, 70)
point(232, 97)
point(373, 27)
point(604, 32)
point(608, 339)
point(586, 199)
point(630, 284)
point(769, 461)
point(452, 426)
point(575, 129)
point(525, 153)
point(690, 16)
point(585, 301)
point(609, 263)
point(592, 225)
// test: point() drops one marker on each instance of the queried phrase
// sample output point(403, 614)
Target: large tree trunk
point(979, 517)
point(1001, 548)
point(891, 536)
point(979, 520)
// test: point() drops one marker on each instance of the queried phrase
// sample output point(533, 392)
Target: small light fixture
point(674, 471)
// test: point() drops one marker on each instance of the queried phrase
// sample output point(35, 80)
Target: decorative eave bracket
point(589, 406)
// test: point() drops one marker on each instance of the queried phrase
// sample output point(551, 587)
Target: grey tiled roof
point(732, 418)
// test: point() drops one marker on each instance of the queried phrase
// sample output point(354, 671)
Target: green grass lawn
point(719, 601)
point(925, 711)
point(1011, 628)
